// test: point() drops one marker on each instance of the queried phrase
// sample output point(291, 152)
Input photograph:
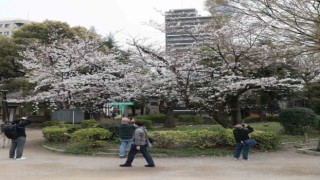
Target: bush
point(273, 118)
point(147, 123)
point(210, 139)
point(191, 119)
point(90, 123)
point(53, 123)
point(90, 137)
point(112, 127)
point(154, 118)
point(56, 134)
point(296, 120)
point(251, 119)
point(268, 118)
point(266, 140)
point(71, 127)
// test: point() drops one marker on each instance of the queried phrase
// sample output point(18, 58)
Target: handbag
point(149, 140)
point(149, 143)
point(250, 142)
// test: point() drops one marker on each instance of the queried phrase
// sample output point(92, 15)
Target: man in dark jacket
point(126, 130)
point(241, 134)
point(17, 145)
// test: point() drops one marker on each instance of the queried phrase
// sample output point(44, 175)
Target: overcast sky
point(124, 18)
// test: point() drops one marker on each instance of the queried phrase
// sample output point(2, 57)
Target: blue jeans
point(17, 146)
point(143, 149)
point(123, 146)
point(241, 147)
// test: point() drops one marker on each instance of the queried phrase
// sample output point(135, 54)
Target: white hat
point(24, 118)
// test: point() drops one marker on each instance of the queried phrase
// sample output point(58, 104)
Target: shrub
point(112, 127)
point(154, 118)
point(147, 123)
point(296, 120)
point(266, 140)
point(90, 137)
point(53, 123)
point(71, 127)
point(56, 134)
point(273, 118)
point(191, 119)
point(251, 119)
point(268, 118)
point(209, 139)
point(89, 123)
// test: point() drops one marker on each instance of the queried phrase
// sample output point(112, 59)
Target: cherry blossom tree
point(297, 21)
point(76, 71)
point(230, 59)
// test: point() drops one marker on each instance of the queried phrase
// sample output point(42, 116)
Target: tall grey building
point(180, 25)
point(7, 26)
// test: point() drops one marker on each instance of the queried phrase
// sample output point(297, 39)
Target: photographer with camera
point(17, 144)
point(241, 133)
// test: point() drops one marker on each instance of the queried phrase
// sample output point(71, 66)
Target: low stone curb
point(310, 151)
point(53, 149)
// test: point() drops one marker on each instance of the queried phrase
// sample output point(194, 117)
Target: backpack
point(10, 131)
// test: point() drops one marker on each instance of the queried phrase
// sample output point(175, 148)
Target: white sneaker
point(236, 159)
point(22, 158)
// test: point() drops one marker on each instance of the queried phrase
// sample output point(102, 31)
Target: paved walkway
point(42, 164)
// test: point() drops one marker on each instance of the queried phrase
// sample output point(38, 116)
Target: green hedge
point(89, 123)
point(268, 118)
point(90, 137)
point(210, 139)
point(53, 123)
point(154, 118)
point(56, 134)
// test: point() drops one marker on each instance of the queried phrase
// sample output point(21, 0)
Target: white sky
point(124, 18)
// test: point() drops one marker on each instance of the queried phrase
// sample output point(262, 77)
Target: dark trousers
point(17, 146)
point(241, 147)
point(133, 151)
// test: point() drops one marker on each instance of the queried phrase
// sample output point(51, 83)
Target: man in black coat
point(241, 133)
point(17, 145)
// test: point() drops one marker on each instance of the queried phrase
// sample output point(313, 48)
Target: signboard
point(123, 106)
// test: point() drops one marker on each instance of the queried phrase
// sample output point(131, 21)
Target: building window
point(6, 33)
point(0, 33)
point(7, 25)
point(0, 25)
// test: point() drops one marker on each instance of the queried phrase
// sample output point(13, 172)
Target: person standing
point(17, 145)
point(126, 130)
point(241, 133)
point(140, 144)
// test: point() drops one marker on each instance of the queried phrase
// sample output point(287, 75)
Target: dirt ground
point(42, 164)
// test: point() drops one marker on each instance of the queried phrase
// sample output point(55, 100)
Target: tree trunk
point(222, 119)
point(305, 137)
point(318, 148)
point(169, 121)
point(235, 110)
point(46, 111)
point(133, 110)
point(260, 111)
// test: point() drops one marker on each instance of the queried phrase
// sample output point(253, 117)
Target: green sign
point(123, 105)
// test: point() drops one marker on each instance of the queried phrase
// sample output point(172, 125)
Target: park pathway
point(42, 164)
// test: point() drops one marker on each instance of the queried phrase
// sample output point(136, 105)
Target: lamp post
point(5, 114)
